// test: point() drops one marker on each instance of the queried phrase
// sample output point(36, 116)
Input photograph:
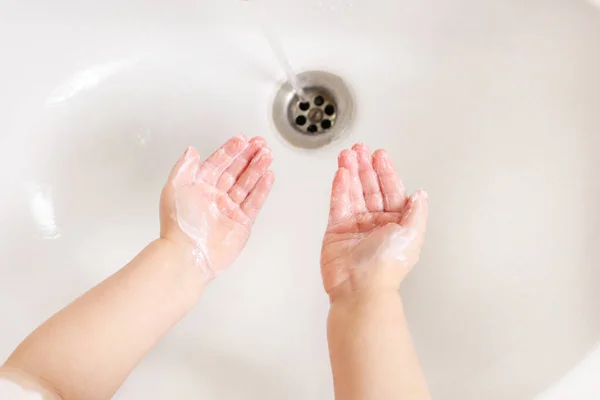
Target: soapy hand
point(375, 232)
point(208, 207)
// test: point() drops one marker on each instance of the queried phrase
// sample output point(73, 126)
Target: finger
point(417, 212)
point(212, 168)
point(225, 205)
point(368, 178)
point(248, 179)
point(392, 189)
point(340, 206)
point(257, 197)
point(348, 160)
point(185, 169)
point(231, 175)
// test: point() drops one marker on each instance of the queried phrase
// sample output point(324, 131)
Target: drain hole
point(301, 120)
point(321, 116)
point(315, 116)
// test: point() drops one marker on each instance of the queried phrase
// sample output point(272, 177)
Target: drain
point(317, 108)
point(322, 116)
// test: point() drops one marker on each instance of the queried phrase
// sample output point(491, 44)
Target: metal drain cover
point(315, 114)
point(322, 116)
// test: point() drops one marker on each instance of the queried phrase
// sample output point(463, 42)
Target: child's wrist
point(364, 284)
point(184, 257)
point(363, 295)
point(377, 305)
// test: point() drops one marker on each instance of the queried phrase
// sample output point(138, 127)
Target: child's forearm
point(88, 349)
point(372, 353)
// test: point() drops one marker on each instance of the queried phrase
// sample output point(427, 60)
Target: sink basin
point(493, 107)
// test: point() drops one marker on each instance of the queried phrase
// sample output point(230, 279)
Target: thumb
point(185, 168)
point(415, 217)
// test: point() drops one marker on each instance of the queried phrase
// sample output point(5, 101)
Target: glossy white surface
point(580, 383)
point(490, 106)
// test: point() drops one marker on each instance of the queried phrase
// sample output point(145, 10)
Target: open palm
point(210, 207)
point(375, 232)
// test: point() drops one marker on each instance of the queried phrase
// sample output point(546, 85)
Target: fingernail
point(257, 139)
point(187, 151)
point(240, 142)
point(262, 153)
point(419, 195)
point(386, 161)
point(270, 177)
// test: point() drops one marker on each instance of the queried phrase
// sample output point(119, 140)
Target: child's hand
point(209, 207)
point(375, 233)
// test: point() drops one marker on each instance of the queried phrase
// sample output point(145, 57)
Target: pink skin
point(207, 210)
point(375, 232)
point(208, 207)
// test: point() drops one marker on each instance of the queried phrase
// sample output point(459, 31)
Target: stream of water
point(277, 48)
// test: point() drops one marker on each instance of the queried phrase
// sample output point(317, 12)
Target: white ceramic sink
point(493, 107)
